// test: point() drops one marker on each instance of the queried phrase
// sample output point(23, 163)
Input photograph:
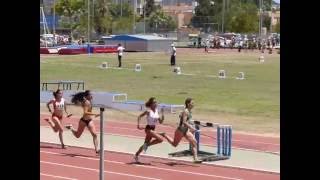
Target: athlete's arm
point(139, 117)
point(86, 110)
point(65, 109)
point(48, 106)
point(162, 116)
point(184, 121)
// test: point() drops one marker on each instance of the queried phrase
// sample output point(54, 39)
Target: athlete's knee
point(194, 143)
point(55, 129)
point(175, 144)
point(77, 135)
point(94, 135)
point(160, 140)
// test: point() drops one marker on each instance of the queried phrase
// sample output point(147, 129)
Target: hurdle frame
point(224, 143)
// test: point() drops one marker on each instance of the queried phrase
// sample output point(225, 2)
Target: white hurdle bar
point(204, 124)
point(113, 100)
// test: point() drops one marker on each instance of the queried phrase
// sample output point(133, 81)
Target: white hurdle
point(112, 100)
point(137, 68)
point(222, 74)
point(177, 70)
point(104, 65)
point(261, 59)
point(241, 76)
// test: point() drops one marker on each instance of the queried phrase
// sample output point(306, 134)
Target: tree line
point(106, 17)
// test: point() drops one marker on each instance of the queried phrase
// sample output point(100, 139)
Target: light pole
point(144, 17)
point(54, 18)
point(260, 19)
point(212, 4)
point(271, 16)
point(228, 5)
point(88, 21)
point(121, 8)
point(134, 16)
point(223, 9)
point(92, 11)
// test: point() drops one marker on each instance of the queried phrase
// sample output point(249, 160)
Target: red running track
point(82, 164)
point(208, 137)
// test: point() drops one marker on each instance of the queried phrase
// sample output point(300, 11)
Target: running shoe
point(136, 158)
point(197, 161)
point(69, 126)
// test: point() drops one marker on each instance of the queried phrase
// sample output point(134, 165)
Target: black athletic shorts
point(150, 127)
point(183, 129)
point(86, 121)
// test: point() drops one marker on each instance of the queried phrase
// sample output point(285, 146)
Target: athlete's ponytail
point(56, 92)
point(150, 101)
point(78, 98)
point(187, 102)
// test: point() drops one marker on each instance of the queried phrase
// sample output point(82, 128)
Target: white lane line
point(151, 167)
point(234, 139)
point(97, 170)
point(57, 177)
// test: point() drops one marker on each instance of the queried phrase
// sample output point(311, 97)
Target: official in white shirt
point(173, 55)
point(120, 53)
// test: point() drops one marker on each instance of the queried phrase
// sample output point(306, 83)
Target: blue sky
point(278, 1)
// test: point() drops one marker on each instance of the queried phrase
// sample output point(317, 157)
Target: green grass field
point(251, 105)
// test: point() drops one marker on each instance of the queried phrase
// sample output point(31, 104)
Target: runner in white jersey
point(57, 114)
point(153, 117)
